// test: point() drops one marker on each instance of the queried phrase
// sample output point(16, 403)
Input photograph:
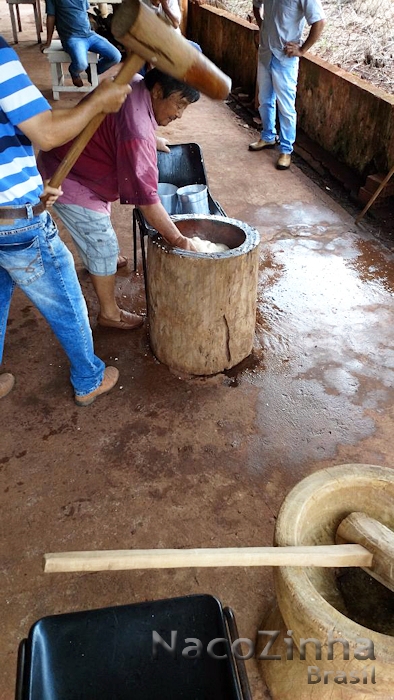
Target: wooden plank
point(118, 560)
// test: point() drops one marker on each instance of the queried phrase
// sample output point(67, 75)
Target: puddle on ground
point(318, 303)
point(291, 215)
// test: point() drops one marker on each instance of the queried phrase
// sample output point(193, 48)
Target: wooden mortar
point(202, 307)
point(309, 599)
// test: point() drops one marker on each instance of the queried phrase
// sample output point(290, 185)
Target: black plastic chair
point(183, 165)
point(107, 654)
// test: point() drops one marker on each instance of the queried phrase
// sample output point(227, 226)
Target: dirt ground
point(358, 36)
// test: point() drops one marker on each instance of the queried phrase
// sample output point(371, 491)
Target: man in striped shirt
point(32, 255)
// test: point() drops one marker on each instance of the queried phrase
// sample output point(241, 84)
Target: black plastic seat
point(107, 654)
point(183, 165)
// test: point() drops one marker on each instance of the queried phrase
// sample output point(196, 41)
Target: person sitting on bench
point(70, 17)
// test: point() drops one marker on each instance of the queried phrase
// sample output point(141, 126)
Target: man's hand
point(157, 217)
point(50, 194)
point(161, 144)
point(185, 244)
point(110, 95)
point(54, 127)
point(293, 49)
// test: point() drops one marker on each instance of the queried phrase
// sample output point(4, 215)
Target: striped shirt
point(20, 181)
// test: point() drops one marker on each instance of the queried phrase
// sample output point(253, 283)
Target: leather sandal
point(127, 321)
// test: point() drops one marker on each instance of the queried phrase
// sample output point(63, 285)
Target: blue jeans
point(278, 86)
point(34, 258)
point(78, 47)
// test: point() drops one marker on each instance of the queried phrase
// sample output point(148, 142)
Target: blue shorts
point(93, 235)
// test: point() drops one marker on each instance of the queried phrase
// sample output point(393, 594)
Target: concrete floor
point(163, 462)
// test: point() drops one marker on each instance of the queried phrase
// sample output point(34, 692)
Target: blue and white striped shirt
point(20, 181)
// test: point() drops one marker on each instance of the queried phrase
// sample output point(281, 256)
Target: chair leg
point(139, 222)
point(240, 664)
point(38, 24)
point(38, 5)
point(142, 241)
point(19, 18)
point(135, 240)
point(93, 74)
point(21, 662)
point(55, 79)
point(59, 74)
point(13, 23)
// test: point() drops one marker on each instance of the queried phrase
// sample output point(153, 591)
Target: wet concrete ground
point(164, 462)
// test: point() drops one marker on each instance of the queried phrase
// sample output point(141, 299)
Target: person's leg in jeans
point(108, 53)
point(77, 47)
point(6, 289)
point(284, 78)
point(267, 102)
point(38, 262)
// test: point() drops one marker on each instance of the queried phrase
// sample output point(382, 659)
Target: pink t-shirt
point(119, 162)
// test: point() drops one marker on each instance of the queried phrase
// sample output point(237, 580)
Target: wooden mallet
point(377, 538)
point(141, 31)
point(373, 551)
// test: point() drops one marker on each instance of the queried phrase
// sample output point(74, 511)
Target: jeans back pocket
point(23, 261)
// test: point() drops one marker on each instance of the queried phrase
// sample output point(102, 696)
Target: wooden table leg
point(19, 17)
point(13, 24)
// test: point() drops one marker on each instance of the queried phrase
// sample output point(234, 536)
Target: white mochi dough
point(207, 246)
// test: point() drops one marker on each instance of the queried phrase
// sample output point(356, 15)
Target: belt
point(11, 213)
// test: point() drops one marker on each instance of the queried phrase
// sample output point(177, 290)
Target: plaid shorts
point(93, 235)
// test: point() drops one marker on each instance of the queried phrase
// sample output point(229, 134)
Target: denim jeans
point(278, 86)
point(78, 48)
point(34, 258)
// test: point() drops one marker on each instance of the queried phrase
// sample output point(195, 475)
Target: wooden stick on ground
point(118, 560)
point(375, 195)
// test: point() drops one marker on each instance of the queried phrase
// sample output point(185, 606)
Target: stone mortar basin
point(309, 599)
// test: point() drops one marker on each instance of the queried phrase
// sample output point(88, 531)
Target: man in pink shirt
point(119, 162)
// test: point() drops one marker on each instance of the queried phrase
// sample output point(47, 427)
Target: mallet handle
point(117, 560)
point(130, 67)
